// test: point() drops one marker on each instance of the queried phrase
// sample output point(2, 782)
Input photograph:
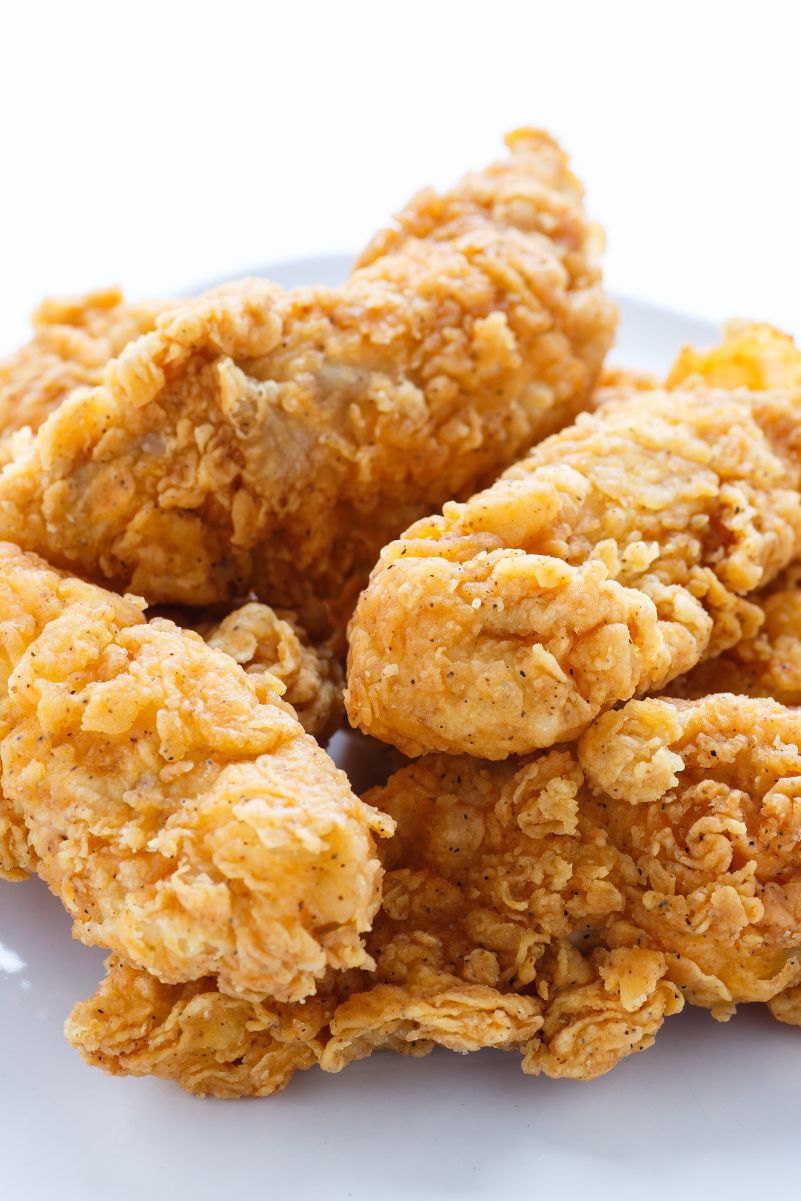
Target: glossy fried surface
point(270, 440)
point(170, 799)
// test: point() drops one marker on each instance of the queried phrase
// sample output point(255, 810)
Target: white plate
point(711, 1108)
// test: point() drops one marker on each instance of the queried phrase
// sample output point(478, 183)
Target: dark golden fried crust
point(270, 440)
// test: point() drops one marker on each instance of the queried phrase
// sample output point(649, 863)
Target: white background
point(162, 144)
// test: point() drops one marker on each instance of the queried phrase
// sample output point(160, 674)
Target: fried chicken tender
point(561, 905)
point(170, 799)
point(613, 558)
point(273, 441)
point(261, 640)
point(73, 340)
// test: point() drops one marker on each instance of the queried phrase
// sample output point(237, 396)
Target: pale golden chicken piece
point(261, 640)
point(560, 905)
point(273, 441)
point(753, 355)
point(613, 558)
point(73, 340)
point(170, 799)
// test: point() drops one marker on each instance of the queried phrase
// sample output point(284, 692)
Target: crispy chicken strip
point(616, 556)
point(171, 800)
point(591, 886)
point(273, 441)
point(73, 340)
point(262, 640)
point(587, 646)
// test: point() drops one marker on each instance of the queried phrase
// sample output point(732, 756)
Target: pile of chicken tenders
point(566, 595)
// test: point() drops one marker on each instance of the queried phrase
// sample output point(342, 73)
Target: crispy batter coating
point(786, 1006)
point(171, 800)
point(614, 557)
point(261, 640)
point(209, 1043)
point(766, 664)
point(274, 441)
point(73, 340)
point(560, 905)
point(705, 797)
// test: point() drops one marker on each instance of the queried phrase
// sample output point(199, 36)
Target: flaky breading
point(270, 440)
point(768, 663)
point(261, 640)
point(705, 798)
point(171, 800)
point(560, 905)
point(209, 1043)
point(616, 556)
point(73, 340)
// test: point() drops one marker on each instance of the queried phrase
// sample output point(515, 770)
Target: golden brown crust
point(261, 640)
point(172, 801)
point(275, 440)
point(209, 1043)
point(561, 905)
point(617, 555)
point(768, 663)
point(704, 797)
point(73, 340)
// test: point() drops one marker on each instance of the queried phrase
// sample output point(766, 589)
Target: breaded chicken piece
point(209, 1043)
point(492, 873)
point(560, 905)
point(753, 355)
point(766, 664)
point(613, 558)
point(261, 640)
point(786, 1006)
point(170, 799)
point(273, 441)
point(705, 798)
point(73, 340)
